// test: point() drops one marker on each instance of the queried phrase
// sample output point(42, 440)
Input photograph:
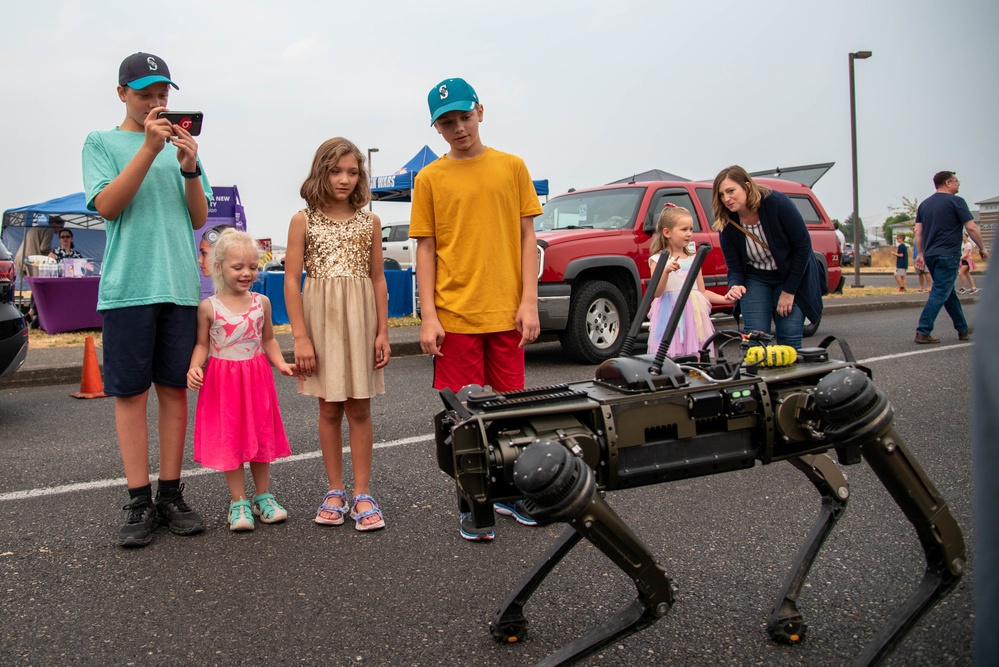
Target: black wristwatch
point(191, 174)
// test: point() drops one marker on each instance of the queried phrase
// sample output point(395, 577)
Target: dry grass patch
point(865, 291)
point(39, 339)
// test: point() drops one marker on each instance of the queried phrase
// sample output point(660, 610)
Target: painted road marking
point(197, 472)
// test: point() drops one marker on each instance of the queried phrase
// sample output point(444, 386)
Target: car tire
point(599, 320)
point(811, 328)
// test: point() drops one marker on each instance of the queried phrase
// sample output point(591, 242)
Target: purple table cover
point(66, 304)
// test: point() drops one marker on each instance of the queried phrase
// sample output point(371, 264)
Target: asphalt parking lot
point(415, 594)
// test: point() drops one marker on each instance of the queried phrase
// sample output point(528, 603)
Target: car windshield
point(604, 209)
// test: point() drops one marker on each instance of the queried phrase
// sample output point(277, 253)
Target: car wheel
point(598, 323)
point(811, 328)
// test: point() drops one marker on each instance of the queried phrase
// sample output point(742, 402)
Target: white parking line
point(915, 352)
point(196, 472)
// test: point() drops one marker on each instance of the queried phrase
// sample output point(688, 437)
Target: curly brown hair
point(316, 189)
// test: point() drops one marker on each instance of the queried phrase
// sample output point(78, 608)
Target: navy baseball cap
point(142, 69)
point(451, 95)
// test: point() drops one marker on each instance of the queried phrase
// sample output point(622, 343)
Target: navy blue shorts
point(147, 344)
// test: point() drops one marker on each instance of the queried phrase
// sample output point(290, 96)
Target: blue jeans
point(942, 295)
point(759, 310)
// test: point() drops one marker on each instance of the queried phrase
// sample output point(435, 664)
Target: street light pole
point(371, 175)
point(859, 55)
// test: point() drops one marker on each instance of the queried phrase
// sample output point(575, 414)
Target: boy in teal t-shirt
point(144, 178)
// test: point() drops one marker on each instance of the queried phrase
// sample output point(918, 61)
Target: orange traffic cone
point(91, 385)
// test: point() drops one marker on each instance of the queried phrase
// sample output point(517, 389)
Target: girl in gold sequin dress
point(339, 320)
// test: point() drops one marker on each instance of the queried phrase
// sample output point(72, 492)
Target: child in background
point(476, 262)
point(925, 279)
point(237, 419)
point(339, 320)
point(901, 261)
point(674, 233)
point(967, 266)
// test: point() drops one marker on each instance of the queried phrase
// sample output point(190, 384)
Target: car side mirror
point(649, 225)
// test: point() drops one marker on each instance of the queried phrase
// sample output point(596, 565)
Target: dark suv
point(13, 326)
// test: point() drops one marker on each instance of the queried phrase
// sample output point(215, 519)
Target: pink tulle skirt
point(237, 419)
point(694, 327)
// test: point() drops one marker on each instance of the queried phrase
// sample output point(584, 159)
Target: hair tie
point(670, 204)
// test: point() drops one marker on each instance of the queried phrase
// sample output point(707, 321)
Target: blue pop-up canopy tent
point(73, 211)
point(399, 186)
point(88, 226)
point(72, 208)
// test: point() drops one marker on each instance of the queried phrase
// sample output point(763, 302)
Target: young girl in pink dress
point(237, 419)
point(674, 233)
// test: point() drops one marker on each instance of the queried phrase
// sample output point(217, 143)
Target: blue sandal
point(268, 509)
point(240, 516)
point(338, 510)
point(358, 517)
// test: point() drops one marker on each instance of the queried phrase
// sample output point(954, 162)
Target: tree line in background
point(904, 212)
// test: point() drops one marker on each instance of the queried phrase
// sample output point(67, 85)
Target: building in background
point(987, 217)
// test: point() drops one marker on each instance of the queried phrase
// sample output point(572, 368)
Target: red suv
point(594, 256)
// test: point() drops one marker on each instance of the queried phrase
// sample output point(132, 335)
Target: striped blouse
point(759, 257)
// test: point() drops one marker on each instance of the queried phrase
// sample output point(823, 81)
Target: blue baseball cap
point(143, 69)
point(451, 95)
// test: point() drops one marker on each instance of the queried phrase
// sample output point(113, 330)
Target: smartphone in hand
point(189, 120)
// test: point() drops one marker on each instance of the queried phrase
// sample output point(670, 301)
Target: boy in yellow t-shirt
point(476, 259)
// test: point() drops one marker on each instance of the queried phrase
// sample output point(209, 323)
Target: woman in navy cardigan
point(771, 267)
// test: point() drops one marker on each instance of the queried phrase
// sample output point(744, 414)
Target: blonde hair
point(755, 193)
point(667, 220)
point(230, 239)
point(316, 189)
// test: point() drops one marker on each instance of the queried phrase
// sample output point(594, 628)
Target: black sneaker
point(517, 510)
point(175, 514)
point(473, 534)
point(139, 524)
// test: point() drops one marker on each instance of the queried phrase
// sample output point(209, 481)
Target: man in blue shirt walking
point(941, 220)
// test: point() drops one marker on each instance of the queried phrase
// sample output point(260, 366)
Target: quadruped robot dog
point(650, 420)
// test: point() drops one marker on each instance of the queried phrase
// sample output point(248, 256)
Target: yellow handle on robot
point(776, 355)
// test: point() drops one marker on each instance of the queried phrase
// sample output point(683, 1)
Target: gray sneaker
point(139, 524)
point(175, 514)
point(517, 510)
point(473, 534)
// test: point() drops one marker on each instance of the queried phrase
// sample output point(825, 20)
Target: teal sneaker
point(268, 509)
point(240, 516)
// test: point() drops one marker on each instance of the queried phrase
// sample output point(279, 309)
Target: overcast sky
point(586, 92)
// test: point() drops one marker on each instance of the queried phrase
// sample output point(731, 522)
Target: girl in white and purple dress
point(674, 233)
point(237, 420)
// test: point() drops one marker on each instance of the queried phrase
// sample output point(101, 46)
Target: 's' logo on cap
point(152, 64)
point(443, 91)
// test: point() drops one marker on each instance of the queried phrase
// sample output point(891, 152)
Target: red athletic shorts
point(492, 359)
